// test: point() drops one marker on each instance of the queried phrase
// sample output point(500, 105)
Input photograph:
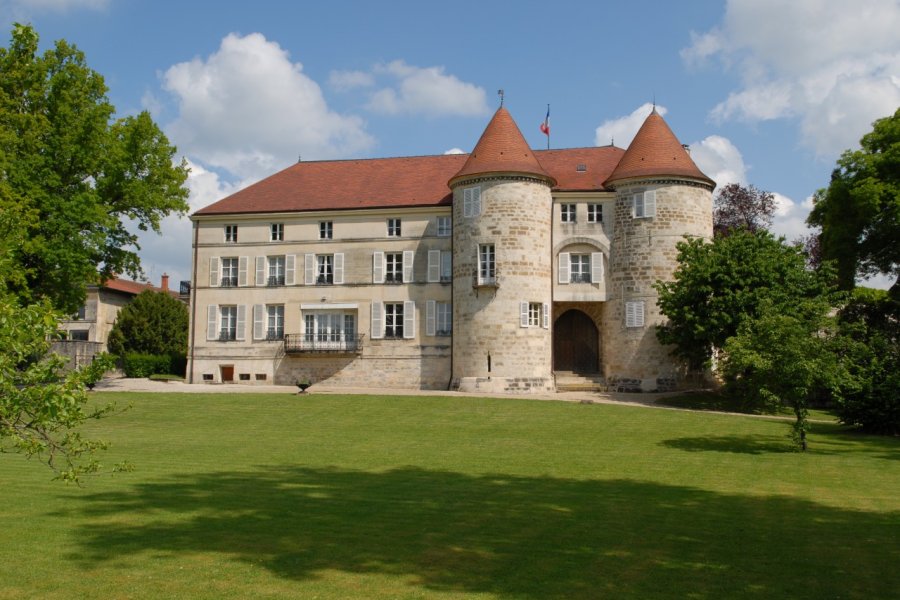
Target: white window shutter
point(564, 267)
point(241, 323)
point(476, 201)
point(596, 267)
point(629, 314)
point(339, 268)
point(243, 267)
point(523, 314)
point(290, 263)
point(260, 270)
point(409, 320)
point(545, 315)
point(430, 317)
point(467, 202)
point(434, 266)
point(259, 322)
point(378, 267)
point(310, 260)
point(212, 322)
point(377, 321)
point(214, 271)
point(639, 314)
point(408, 257)
point(650, 203)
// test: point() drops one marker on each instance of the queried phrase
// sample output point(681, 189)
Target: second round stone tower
point(502, 284)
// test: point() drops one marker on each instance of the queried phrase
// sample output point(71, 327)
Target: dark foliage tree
point(737, 207)
point(153, 323)
point(859, 212)
point(75, 176)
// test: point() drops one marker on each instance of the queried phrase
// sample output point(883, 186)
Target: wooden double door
point(576, 343)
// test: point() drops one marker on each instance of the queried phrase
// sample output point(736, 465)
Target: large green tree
point(153, 323)
point(719, 285)
point(859, 212)
point(78, 179)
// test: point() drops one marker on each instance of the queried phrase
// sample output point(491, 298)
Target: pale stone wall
point(643, 251)
point(516, 218)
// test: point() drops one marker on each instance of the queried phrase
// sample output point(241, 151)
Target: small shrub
point(145, 365)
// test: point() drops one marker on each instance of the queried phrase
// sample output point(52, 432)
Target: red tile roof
point(501, 149)
point(129, 287)
point(655, 151)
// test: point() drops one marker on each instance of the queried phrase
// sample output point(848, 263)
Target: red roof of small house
point(654, 152)
point(127, 286)
point(501, 149)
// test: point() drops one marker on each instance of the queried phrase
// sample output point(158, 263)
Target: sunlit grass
point(329, 496)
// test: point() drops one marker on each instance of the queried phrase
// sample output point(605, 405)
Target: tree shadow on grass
point(739, 444)
point(526, 537)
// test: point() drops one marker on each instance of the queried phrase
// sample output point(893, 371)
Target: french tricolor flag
point(545, 126)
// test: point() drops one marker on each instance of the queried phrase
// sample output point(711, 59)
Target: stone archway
point(576, 343)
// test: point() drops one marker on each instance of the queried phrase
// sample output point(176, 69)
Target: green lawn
point(325, 496)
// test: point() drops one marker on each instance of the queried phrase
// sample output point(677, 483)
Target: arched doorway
point(576, 343)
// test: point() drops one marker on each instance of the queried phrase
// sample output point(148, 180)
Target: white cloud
point(455, 151)
point(23, 11)
point(790, 217)
point(623, 129)
point(344, 81)
point(248, 109)
point(426, 91)
point(720, 160)
point(831, 64)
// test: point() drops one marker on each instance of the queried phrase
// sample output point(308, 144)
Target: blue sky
point(765, 92)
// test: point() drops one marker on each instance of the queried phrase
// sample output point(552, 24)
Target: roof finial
point(654, 104)
point(500, 93)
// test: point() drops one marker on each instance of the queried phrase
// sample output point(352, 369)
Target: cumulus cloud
point(720, 160)
point(249, 109)
point(622, 130)
point(829, 63)
point(426, 91)
point(455, 151)
point(790, 217)
point(344, 81)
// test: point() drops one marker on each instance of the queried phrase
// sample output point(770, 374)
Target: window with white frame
point(634, 314)
point(534, 314)
point(231, 234)
point(276, 271)
point(393, 320)
point(487, 269)
point(324, 269)
point(275, 321)
point(326, 230)
point(444, 226)
point(446, 266)
point(276, 232)
point(580, 268)
point(321, 269)
point(228, 323)
point(229, 272)
point(393, 267)
point(567, 213)
point(472, 201)
point(644, 204)
point(595, 213)
point(438, 318)
point(393, 227)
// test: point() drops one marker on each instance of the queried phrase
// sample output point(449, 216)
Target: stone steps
point(567, 381)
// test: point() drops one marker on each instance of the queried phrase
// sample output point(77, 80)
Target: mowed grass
point(329, 496)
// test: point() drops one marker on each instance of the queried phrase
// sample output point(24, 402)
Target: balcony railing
point(229, 281)
point(297, 343)
point(227, 336)
point(580, 278)
point(393, 278)
point(488, 279)
point(275, 281)
point(325, 280)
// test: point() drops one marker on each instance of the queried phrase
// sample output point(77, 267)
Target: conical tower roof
point(655, 152)
point(502, 148)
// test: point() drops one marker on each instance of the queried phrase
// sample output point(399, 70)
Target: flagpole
point(548, 127)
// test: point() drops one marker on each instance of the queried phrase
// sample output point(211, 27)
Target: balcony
point(488, 279)
point(298, 343)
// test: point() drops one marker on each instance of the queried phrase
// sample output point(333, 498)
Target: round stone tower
point(502, 285)
point(661, 196)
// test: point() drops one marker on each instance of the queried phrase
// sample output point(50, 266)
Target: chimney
point(165, 282)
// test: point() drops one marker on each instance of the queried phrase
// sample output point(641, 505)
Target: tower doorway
point(576, 343)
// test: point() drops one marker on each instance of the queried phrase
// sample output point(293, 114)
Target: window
point(567, 213)
point(393, 320)
point(440, 266)
point(276, 271)
point(81, 314)
point(634, 314)
point(595, 213)
point(326, 230)
point(534, 314)
point(487, 272)
point(324, 269)
point(275, 322)
point(78, 335)
point(329, 330)
point(580, 268)
point(277, 232)
point(472, 202)
point(438, 318)
point(229, 272)
point(644, 204)
point(393, 227)
point(444, 226)
point(231, 233)
point(393, 267)
point(228, 323)
point(446, 266)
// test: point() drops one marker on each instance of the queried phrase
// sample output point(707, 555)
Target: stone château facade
point(488, 271)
